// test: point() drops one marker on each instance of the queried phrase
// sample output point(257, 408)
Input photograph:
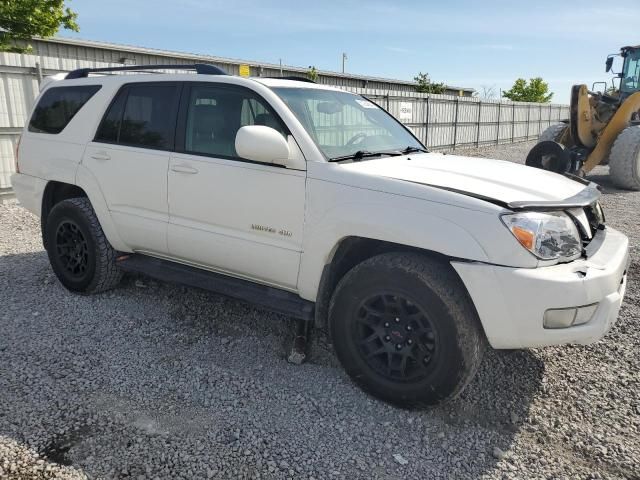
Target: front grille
point(595, 217)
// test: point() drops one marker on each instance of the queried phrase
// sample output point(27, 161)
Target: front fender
point(379, 222)
point(468, 229)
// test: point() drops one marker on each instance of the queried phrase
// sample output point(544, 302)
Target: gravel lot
point(153, 380)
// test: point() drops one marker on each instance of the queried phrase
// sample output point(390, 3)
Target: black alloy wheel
point(395, 337)
point(72, 249)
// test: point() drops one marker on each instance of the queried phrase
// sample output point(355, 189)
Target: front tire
point(405, 329)
point(624, 159)
point(79, 252)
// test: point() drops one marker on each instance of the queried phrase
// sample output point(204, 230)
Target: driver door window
point(215, 114)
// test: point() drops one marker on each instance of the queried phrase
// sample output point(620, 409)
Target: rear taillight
point(17, 153)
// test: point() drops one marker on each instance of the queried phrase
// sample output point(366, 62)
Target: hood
point(505, 182)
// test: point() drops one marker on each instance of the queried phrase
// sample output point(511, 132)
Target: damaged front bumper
point(512, 302)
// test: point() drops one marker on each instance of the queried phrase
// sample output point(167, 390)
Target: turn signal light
point(525, 237)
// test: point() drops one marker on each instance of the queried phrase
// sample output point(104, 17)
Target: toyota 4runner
point(318, 204)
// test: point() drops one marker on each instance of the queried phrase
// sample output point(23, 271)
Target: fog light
point(584, 314)
point(567, 317)
point(559, 318)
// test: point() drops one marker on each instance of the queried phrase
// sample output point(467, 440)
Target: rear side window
point(142, 116)
point(58, 105)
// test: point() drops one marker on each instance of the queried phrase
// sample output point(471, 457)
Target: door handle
point(101, 156)
point(183, 169)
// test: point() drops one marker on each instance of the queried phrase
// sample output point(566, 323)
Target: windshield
point(631, 72)
point(343, 124)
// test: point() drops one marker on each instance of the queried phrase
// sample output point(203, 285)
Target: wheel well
point(350, 252)
point(54, 193)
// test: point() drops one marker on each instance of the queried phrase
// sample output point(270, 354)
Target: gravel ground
point(153, 380)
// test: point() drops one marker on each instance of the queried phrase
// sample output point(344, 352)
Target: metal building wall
point(90, 51)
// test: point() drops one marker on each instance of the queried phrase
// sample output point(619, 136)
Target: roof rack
point(200, 68)
point(294, 77)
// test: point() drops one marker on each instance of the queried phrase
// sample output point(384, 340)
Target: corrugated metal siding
point(440, 121)
point(17, 92)
point(112, 53)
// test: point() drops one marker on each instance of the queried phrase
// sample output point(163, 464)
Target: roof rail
point(201, 68)
point(294, 77)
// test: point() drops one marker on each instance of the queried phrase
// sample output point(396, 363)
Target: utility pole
point(280, 67)
point(344, 59)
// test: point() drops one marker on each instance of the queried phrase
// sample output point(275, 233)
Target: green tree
point(425, 85)
point(21, 20)
point(312, 73)
point(536, 90)
point(612, 91)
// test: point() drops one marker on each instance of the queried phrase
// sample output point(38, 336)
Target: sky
point(478, 44)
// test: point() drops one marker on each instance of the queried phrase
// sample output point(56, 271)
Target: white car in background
point(318, 204)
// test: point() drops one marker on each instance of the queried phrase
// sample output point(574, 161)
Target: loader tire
point(553, 132)
point(624, 159)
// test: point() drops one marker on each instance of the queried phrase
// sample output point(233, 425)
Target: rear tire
point(553, 132)
point(405, 329)
point(624, 159)
point(79, 252)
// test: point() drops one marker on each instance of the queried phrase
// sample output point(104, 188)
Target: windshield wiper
point(411, 149)
point(360, 154)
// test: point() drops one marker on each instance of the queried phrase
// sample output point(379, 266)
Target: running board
point(274, 299)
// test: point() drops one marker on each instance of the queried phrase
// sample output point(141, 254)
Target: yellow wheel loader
point(604, 127)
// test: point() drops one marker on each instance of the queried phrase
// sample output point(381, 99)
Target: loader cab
point(629, 73)
point(630, 77)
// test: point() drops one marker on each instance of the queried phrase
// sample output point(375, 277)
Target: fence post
point(549, 115)
point(498, 129)
point(426, 123)
point(39, 72)
point(539, 119)
point(528, 117)
point(478, 130)
point(455, 123)
point(513, 120)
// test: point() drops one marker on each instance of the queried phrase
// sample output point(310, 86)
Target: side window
point(58, 106)
point(141, 116)
point(215, 114)
point(109, 129)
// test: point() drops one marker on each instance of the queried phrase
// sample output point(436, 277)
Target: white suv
point(318, 204)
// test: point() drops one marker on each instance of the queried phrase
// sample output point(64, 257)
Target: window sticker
point(365, 103)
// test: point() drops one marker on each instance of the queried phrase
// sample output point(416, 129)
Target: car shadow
point(174, 335)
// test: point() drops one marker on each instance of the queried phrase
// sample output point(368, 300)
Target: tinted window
point(215, 114)
point(58, 106)
point(110, 127)
point(141, 116)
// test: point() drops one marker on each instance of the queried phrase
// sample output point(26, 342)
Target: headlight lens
point(548, 235)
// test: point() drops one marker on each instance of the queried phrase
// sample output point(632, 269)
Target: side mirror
point(262, 144)
point(609, 64)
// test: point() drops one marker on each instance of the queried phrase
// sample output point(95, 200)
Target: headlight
point(548, 235)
